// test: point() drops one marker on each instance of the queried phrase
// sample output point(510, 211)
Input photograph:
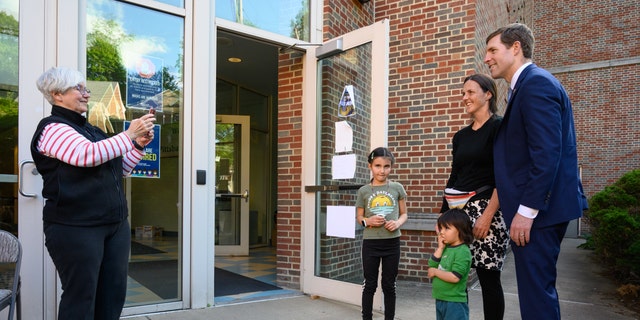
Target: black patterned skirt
point(488, 253)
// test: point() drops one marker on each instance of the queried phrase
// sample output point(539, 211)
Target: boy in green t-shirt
point(450, 264)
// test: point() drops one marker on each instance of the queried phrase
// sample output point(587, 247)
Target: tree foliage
point(8, 24)
point(104, 62)
point(8, 49)
point(8, 78)
point(300, 25)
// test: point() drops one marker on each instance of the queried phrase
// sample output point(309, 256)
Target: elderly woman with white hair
point(85, 214)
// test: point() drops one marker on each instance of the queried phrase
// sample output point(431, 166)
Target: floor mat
point(138, 248)
point(229, 283)
point(159, 276)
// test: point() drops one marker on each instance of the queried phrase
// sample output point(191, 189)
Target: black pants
point(374, 252)
point(492, 294)
point(92, 263)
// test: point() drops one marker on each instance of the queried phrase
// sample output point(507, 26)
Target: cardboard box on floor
point(148, 232)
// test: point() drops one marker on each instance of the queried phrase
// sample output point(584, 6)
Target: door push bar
point(21, 172)
point(332, 187)
point(244, 195)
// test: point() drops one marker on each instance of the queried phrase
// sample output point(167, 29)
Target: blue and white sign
point(144, 83)
point(149, 166)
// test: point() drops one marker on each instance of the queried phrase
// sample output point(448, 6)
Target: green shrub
point(616, 230)
point(634, 258)
point(630, 183)
point(614, 215)
point(588, 244)
point(611, 197)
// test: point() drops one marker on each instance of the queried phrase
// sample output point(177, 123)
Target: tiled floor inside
point(137, 293)
point(259, 265)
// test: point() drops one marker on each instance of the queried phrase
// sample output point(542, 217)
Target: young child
point(381, 209)
point(450, 264)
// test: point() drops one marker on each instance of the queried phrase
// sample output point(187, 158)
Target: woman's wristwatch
point(135, 144)
point(364, 222)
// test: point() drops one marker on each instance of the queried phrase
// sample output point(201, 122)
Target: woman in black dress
point(472, 170)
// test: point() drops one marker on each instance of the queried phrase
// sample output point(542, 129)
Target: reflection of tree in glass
point(225, 137)
point(104, 62)
point(300, 25)
point(238, 10)
point(8, 110)
point(8, 113)
point(225, 146)
point(8, 50)
point(169, 81)
point(8, 79)
point(8, 24)
point(8, 136)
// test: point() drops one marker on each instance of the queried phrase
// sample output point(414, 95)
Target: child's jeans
point(446, 310)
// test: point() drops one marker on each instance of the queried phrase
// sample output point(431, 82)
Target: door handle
point(34, 172)
point(244, 195)
point(326, 188)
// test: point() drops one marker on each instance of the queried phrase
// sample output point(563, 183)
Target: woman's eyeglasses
point(82, 90)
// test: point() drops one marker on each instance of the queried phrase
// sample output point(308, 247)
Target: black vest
point(74, 195)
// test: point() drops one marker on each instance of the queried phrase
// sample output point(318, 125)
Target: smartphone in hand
point(151, 111)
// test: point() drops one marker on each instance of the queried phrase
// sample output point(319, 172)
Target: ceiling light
point(234, 60)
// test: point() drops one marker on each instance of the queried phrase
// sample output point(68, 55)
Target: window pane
point(176, 3)
point(9, 115)
point(346, 96)
point(285, 17)
point(134, 63)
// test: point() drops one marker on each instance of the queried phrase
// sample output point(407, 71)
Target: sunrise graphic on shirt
point(382, 204)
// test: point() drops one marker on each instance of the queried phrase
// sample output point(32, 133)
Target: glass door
point(9, 117)
point(232, 185)
point(135, 63)
point(133, 59)
point(9, 121)
point(22, 108)
point(350, 99)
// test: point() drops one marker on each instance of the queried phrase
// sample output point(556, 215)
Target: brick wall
point(340, 16)
point(490, 16)
point(596, 35)
point(431, 50)
point(607, 129)
point(427, 59)
point(289, 162)
point(433, 46)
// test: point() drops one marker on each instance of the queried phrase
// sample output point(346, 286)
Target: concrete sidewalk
point(585, 294)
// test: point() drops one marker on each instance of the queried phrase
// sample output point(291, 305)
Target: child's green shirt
point(457, 260)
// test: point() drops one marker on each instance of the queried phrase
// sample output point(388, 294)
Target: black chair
point(10, 258)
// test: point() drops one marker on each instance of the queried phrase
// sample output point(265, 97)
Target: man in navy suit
point(536, 167)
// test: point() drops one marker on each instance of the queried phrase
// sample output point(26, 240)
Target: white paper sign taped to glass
point(343, 137)
point(341, 221)
point(343, 166)
point(347, 104)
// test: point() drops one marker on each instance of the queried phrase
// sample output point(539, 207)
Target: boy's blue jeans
point(446, 310)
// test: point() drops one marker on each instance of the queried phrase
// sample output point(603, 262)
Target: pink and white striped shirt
point(61, 141)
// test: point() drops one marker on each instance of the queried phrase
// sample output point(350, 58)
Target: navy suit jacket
point(535, 157)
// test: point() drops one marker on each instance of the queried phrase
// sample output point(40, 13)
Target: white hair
point(58, 80)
